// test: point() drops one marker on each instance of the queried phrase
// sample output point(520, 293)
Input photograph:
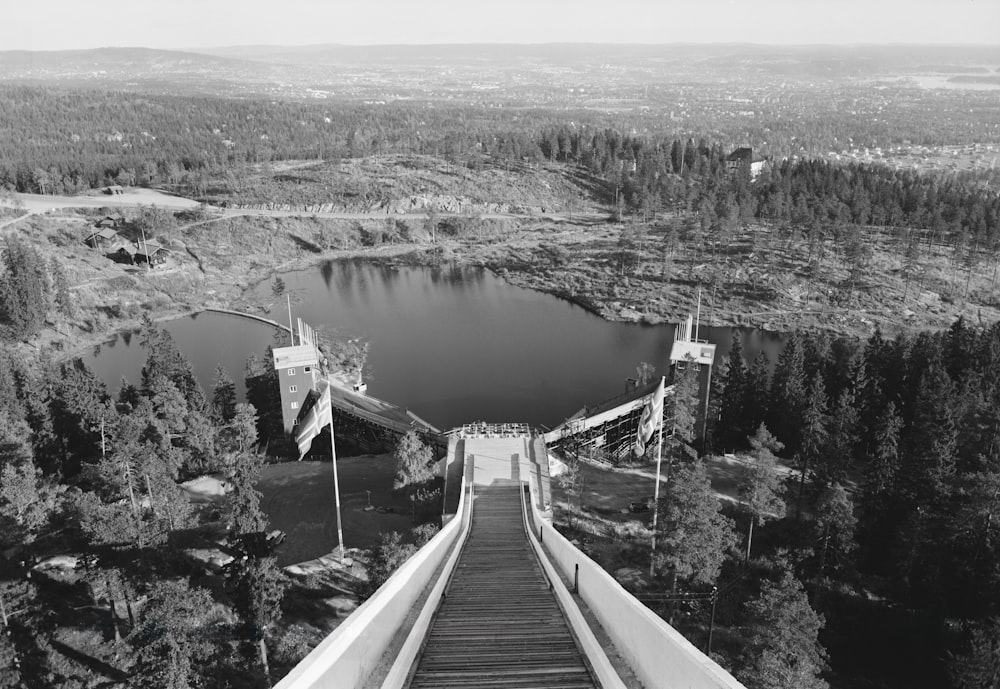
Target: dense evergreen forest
point(97, 475)
point(890, 515)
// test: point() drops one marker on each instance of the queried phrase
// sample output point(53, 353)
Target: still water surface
point(453, 344)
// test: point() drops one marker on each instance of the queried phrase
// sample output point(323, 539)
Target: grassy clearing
point(299, 500)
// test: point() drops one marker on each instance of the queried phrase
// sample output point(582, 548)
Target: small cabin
point(150, 252)
point(114, 190)
point(102, 237)
point(108, 222)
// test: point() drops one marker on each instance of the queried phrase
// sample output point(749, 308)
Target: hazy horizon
point(194, 25)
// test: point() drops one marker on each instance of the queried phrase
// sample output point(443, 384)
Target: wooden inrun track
point(499, 625)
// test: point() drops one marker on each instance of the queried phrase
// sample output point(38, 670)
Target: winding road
point(133, 198)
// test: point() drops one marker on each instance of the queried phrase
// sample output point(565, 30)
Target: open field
point(299, 500)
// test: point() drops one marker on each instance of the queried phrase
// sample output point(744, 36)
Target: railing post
point(576, 578)
point(711, 624)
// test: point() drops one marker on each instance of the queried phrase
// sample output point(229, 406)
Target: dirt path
point(11, 221)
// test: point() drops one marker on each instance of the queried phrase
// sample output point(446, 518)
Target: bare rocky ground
point(552, 237)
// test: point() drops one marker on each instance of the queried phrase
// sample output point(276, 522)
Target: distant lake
point(452, 344)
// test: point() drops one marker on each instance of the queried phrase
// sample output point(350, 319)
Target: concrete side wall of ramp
point(353, 650)
point(658, 654)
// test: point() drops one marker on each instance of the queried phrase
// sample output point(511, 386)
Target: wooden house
point(150, 252)
point(108, 222)
point(744, 160)
point(102, 238)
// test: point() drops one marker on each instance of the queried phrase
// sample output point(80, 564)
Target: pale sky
point(190, 24)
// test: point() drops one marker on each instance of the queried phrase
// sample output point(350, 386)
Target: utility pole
point(145, 250)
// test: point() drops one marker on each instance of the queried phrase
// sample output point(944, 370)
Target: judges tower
point(298, 370)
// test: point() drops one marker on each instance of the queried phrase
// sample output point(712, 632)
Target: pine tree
point(169, 406)
point(760, 483)
point(259, 589)
point(788, 394)
point(172, 638)
point(842, 441)
point(883, 466)
point(784, 649)
point(694, 535)
point(244, 425)
point(931, 455)
point(27, 501)
point(23, 290)
point(223, 397)
point(834, 526)
point(165, 359)
point(245, 517)
point(733, 428)
point(758, 384)
point(716, 389)
point(683, 412)
point(814, 436)
point(63, 296)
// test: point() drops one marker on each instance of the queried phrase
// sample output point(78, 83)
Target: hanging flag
point(321, 414)
point(652, 413)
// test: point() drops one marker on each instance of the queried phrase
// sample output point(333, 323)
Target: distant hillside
point(412, 184)
point(116, 63)
point(817, 60)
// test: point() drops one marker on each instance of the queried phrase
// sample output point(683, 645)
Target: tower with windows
point(298, 369)
point(688, 350)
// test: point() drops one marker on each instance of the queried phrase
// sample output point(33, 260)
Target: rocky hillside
point(409, 184)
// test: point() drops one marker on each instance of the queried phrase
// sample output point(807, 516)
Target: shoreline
point(225, 286)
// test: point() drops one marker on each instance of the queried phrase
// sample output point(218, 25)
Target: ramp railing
point(353, 650)
point(656, 652)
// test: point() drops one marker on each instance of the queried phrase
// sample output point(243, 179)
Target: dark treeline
point(910, 427)
point(55, 141)
point(665, 173)
point(66, 141)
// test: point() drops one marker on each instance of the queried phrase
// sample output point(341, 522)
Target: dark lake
point(454, 345)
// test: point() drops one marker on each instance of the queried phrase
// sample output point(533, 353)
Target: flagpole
point(336, 489)
point(656, 491)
